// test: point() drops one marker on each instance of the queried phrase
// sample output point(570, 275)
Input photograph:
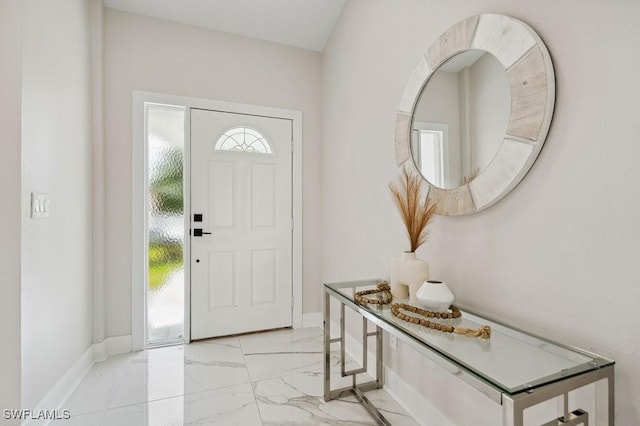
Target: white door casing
point(241, 273)
point(139, 201)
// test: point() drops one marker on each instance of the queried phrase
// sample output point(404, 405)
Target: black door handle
point(197, 232)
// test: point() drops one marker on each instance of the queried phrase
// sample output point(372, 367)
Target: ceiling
point(300, 23)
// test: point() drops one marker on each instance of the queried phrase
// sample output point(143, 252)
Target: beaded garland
point(382, 287)
point(484, 332)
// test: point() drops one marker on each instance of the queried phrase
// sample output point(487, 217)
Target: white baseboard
point(411, 400)
point(111, 346)
point(312, 319)
point(58, 394)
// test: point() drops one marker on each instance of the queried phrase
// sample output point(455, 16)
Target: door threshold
point(242, 334)
point(165, 343)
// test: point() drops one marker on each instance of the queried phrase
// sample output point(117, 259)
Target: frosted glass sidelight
point(165, 288)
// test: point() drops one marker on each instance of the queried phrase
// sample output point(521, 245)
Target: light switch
point(39, 205)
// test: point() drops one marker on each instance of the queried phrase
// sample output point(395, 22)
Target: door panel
point(241, 273)
point(222, 282)
point(221, 188)
point(264, 277)
point(263, 194)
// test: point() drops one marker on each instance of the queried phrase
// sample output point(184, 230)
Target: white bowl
point(435, 296)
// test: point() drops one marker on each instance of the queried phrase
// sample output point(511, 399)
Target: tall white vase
point(407, 275)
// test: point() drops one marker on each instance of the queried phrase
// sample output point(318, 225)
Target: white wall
point(56, 160)
point(10, 105)
point(154, 55)
point(559, 255)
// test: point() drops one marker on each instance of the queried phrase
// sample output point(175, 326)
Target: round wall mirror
point(476, 111)
point(460, 119)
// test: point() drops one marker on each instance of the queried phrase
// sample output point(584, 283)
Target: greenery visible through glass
point(166, 201)
point(165, 292)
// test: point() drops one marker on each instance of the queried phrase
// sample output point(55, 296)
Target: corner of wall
point(98, 352)
point(10, 194)
point(96, 24)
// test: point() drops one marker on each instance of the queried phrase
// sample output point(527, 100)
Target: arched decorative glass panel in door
point(243, 139)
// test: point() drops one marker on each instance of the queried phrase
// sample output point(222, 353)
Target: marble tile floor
point(272, 378)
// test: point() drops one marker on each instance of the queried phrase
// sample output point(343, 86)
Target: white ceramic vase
point(407, 274)
point(435, 296)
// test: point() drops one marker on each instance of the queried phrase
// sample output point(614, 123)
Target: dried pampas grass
point(416, 213)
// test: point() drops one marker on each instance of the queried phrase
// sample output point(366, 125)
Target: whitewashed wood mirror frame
point(530, 76)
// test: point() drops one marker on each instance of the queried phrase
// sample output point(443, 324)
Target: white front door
point(241, 273)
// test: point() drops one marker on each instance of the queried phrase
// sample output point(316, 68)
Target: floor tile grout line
point(183, 394)
point(253, 390)
point(119, 373)
point(164, 399)
point(117, 388)
point(266, 379)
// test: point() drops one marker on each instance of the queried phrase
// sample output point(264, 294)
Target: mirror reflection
point(460, 119)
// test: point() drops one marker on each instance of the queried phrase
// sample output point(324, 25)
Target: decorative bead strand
point(382, 287)
point(483, 332)
point(455, 312)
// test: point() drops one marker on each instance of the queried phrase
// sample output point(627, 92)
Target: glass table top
point(511, 360)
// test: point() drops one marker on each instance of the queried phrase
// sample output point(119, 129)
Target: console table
point(513, 368)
